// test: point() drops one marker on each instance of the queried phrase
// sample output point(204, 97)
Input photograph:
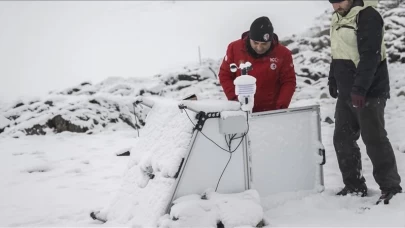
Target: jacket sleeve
point(226, 77)
point(331, 77)
point(369, 39)
point(287, 82)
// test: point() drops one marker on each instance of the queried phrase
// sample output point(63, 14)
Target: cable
point(229, 144)
point(223, 171)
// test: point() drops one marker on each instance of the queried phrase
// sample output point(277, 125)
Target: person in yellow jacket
point(359, 79)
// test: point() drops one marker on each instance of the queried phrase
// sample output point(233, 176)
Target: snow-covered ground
point(57, 180)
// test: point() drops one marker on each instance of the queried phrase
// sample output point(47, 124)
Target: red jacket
point(274, 73)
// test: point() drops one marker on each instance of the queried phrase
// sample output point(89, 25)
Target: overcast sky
point(47, 45)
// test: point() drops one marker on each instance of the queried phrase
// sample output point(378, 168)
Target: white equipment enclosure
point(286, 151)
point(281, 152)
point(227, 150)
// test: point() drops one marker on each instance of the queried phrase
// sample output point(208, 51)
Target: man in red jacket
point(272, 66)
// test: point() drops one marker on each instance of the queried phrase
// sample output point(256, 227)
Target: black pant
point(369, 122)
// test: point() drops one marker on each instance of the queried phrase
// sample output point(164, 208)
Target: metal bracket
point(202, 117)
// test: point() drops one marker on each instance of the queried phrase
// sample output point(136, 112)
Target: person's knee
point(345, 136)
point(374, 136)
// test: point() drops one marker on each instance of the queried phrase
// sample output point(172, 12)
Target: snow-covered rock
point(93, 108)
point(58, 113)
point(215, 210)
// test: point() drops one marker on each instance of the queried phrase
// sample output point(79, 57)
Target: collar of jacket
point(357, 6)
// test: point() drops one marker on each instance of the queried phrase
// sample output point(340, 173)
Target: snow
point(57, 180)
point(245, 80)
point(4, 122)
point(228, 114)
point(87, 173)
point(238, 209)
point(159, 151)
point(211, 105)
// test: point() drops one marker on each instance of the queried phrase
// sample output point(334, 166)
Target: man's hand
point(333, 91)
point(358, 101)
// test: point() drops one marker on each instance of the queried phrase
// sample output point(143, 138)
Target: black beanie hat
point(261, 30)
point(335, 1)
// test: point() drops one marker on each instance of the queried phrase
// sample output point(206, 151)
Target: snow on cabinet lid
point(211, 105)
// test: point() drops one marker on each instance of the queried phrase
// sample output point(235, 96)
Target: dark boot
point(360, 190)
point(386, 196)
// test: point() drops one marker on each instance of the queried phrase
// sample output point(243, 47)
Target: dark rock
point(94, 102)
point(392, 57)
point(85, 83)
point(50, 103)
point(18, 105)
point(329, 120)
point(126, 153)
point(14, 117)
point(402, 93)
point(324, 32)
point(286, 42)
point(295, 51)
point(312, 75)
point(37, 171)
point(2, 129)
point(191, 77)
point(142, 92)
point(74, 90)
point(127, 121)
point(220, 224)
point(35, 130)
point(84, 118)
point(95, 121)
point(261, 224)
point(182, 87)
point(171, 81)
point(324, 96)
point(60, 125)
point(307, 81)
point(204, 196)
point(149, 172)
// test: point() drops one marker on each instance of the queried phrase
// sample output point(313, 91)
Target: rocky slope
point(90, 108)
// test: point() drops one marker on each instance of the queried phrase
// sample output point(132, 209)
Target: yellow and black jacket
point(358, 52)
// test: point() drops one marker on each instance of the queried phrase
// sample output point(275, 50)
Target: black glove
point(358, 101)
point(333, 91)
point(358, 96)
